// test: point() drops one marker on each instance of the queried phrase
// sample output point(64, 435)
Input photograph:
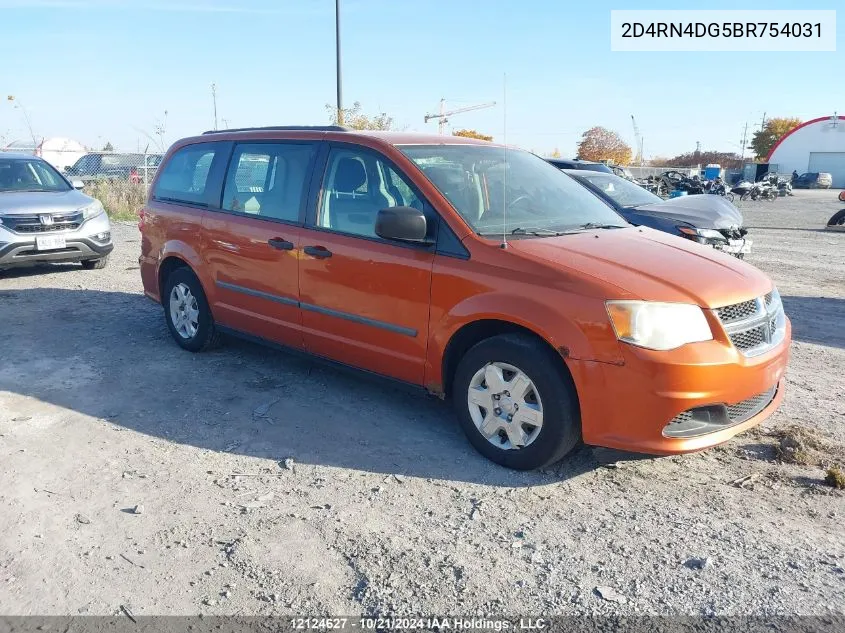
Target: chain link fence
point(120, 180)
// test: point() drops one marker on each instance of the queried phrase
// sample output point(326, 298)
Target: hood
point(33, 202)
point(705, 211)
point(651, 265)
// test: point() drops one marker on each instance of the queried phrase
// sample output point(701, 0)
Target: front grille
point(42, 228)
point(738, 311)
point(748, 339)
point(33, 224)
point(747, 409)
point(716, 417)
point(756, 325)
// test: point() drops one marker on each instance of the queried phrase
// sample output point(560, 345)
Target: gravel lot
point(118, 454)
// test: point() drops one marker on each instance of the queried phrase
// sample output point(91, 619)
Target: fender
point(188, 254)
point(566, 333)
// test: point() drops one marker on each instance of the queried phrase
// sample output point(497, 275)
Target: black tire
point(95, 264)
point(745, 196)
point(206, 334)
point(561, 428)
point(837, 219)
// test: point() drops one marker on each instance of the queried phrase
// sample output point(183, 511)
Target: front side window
point(268, 179)
point(29, 175)
point(498, 191)
point(357, 186)
point(185, 176)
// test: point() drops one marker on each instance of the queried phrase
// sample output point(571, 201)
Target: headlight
point(660, 326)
point(92, 210)
point(702, 236)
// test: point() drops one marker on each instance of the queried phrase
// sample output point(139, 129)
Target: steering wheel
point(518, 199)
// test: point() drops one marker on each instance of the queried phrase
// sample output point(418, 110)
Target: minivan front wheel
point(515, 402)
point(186, 311)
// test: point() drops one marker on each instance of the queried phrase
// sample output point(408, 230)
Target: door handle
point(280, 244)
point(320, 252)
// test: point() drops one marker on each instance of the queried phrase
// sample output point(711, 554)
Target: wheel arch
point(472, 333)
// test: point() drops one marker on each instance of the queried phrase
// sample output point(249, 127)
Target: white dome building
point(813, 146)
point(61, 152)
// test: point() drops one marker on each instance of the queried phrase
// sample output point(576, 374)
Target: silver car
point(44, 218)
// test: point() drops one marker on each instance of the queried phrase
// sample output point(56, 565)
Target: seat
point(347, 209)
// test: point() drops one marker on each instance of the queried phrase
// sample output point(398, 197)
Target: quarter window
point(185, 176)
point(268, 179)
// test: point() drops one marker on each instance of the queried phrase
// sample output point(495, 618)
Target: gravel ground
point(120, 454)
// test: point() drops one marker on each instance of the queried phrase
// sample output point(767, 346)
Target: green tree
point(355, 119)
point(763, 140)
point(599, 143)
point(108, 147)
point(472, 134)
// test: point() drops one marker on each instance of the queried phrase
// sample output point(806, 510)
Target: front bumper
point(20, 249)
point(629, 406)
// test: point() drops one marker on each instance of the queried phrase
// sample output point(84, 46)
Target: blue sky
point(106, 70)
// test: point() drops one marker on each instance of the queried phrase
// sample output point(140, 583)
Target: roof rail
point(310, 128)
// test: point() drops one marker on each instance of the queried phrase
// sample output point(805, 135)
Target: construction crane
point(638, 139)
point(443, 115)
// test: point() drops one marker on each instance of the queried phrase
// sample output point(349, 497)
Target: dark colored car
point(706, 219)
point(813, 180)
point(95, 166)
point(577, 163)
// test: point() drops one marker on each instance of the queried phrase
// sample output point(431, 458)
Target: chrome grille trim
point(754, 326)
point(67, 221)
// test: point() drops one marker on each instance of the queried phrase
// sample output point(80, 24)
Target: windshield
point(623, 192)
point(498, 191)
point(29, 174)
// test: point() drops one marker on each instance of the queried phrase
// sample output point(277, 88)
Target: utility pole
point(763, 124)
point(214, 99)
point(744, 141)
point(337, 51)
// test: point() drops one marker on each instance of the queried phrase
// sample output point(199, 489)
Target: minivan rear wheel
point(186, 311)
point(516, 403)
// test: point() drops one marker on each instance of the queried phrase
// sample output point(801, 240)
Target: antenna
point(505, 170)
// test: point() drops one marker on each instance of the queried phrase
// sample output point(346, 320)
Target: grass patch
point(805, 447)
point(835, 477)
point(121, 199)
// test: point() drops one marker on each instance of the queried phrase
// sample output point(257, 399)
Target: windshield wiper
point(540, 231)
point(599, 225)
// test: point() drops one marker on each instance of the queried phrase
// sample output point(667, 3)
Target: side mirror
point(404, 224)
point(77, 184)
point(842, 195)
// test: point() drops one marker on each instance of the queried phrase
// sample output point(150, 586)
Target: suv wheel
point(186, 311)
point(95, 264)
point(515, 402)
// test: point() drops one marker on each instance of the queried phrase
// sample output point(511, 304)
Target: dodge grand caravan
point(475, 271)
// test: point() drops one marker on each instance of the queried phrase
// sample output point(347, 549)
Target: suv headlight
point(92, 210)
point(702, 236)
point(659, 326)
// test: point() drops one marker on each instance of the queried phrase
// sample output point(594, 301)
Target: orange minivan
point(472, 270)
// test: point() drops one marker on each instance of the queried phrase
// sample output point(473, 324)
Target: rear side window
point(268, 179)
point(185, 176)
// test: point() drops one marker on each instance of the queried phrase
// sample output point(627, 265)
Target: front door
point(252, 241)
point(364, 300)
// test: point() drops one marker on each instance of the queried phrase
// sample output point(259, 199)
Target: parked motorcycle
point(717, 187)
